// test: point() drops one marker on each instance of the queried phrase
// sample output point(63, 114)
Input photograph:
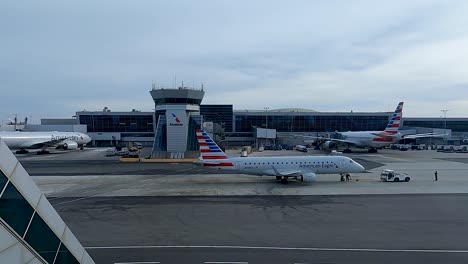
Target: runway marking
point(294, 248)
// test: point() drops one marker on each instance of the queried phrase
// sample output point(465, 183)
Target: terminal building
point(238, 127)
point(179, 111)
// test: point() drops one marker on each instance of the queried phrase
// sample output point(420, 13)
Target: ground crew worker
point(435, 175)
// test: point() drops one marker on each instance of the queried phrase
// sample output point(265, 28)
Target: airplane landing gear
point(278, 178)
point(372, 150)
point(284, 180)
point(22, 151)
point(347, 150)
point(43, 152)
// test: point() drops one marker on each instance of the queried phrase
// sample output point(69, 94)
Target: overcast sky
point(59, 57)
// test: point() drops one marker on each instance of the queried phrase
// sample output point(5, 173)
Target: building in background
point(219, 114)
point(176, 117)
point(108, 128)
point(178, 111)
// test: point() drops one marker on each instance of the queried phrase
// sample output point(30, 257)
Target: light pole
point(266, 116)
point(445, 124)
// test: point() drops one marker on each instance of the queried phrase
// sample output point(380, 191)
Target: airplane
point(41, 140)
point(301, 168)
point(372, 139)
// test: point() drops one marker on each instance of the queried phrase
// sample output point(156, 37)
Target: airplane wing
point(44, 143)
point(285, 172)
point(330, 139)
point(383, 135)
point(426, 135)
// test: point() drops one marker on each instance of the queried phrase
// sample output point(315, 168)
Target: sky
point(59, 57)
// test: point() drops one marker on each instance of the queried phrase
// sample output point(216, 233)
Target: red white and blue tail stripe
point(394, 123)
point(212, 155)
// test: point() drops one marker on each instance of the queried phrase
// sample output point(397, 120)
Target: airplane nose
point(361, 168)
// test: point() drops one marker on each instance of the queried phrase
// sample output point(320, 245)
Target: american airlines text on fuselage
point(76, 138)
point(314, 165)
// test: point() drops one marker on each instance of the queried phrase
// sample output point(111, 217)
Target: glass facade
point(65, 257)
point(17, 213)
point(194, 124)
point(42, 239)
point(220, 114)
point(3, 181)
point(15, 210)
point(310, 123)
point(117, 123)
point(182, 100)
point(455, 126)
point(160, 140)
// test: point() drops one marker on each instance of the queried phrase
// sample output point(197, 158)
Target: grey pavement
point(183, 213)
point(288, 229)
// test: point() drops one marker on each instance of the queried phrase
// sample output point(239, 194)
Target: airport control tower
point(177, 116)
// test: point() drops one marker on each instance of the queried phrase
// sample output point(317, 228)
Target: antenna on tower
point(153, 85)
point(202, 86)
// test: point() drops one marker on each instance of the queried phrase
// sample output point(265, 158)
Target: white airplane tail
point(394, 123)
point(211, 154)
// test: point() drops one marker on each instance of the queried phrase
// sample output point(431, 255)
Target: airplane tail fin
point(208, 148)
point(394, 123)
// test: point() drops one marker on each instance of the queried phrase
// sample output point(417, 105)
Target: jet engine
point(307, 177)
point(70, 145)
point(329, 144)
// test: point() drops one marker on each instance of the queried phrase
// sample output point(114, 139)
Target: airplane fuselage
point(300, 164)
point(25, 140)
point(368, 139)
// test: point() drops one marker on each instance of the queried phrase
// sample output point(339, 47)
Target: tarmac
point(184, 213)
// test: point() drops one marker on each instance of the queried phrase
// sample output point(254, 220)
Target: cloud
point(59, 57)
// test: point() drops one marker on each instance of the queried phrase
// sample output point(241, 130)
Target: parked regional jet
point(41, 140)
point(301, 168)
point(373, 139)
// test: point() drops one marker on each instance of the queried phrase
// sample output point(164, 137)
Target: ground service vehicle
point(391, 175)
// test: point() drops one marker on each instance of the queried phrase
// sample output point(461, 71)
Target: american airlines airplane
point(372, 139)
point(41, 140)
point(301, 168)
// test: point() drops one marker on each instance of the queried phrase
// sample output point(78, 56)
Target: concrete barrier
point(169, 160)
point(129, 160)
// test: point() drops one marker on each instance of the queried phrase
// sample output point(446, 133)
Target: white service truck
point(390, 175)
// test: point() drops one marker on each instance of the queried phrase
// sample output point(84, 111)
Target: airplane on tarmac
point(372, 139)
point(301, 168)
point(41, 140)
